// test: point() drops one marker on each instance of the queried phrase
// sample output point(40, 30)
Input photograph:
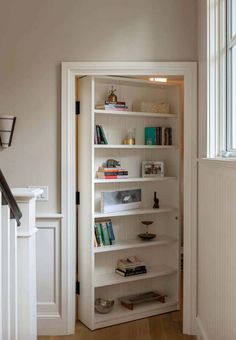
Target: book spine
point(98, 135)
point(112, 177)
point(96, 236)
point(112, 173)
point(102, 133)
point(144, 271)
point(99, 233)
point(106, 240)
point(159, 135)
point(150, 136)
point(110, 231)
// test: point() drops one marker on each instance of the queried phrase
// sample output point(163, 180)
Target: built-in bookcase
point(97, 264)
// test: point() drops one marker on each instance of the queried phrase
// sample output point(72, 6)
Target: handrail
point(8, 199)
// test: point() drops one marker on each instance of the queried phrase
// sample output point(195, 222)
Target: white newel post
point(26, 262)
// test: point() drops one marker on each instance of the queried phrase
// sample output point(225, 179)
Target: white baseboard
point(201, 334)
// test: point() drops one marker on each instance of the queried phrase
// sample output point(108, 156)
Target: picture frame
point(120, 200)
point(152, 168)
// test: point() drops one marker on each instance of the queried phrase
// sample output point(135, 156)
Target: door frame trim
point(68, 175)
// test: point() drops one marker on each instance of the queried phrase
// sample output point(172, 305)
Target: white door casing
point(68, 176)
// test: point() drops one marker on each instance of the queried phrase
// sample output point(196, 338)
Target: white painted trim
point(201, 334)
point(49, 216)
point(68, 184)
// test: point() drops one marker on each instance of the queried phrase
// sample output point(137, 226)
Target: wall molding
point(220, 162)
point(49, 216)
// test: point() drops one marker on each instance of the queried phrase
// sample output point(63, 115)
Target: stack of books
point(158, 135)
point(111, 173)
point(99, 135)
point(120, 106)
point(103, 233)
point(130, 266)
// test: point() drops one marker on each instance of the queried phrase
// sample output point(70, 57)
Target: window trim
point(219, 139)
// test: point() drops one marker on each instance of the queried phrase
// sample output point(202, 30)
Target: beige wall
point(202, 78)
point(36, 36)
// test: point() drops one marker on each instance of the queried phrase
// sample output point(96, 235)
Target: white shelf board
point(134, 114)
point(120, 314)
point(134, 179)
point(111, 279)
point(142, 211)
point(129, 244)
point(123, 146)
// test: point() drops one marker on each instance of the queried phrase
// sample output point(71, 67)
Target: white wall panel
point(49, 271)
point(217, 249)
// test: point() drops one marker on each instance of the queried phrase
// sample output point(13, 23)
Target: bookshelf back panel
point(134, 95)
point(132, 159)
point(128, 228)
point(115, 127)
point(167, 192)
point(166, 285)
point(157, 256)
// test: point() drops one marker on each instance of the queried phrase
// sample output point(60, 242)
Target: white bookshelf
point(161, 255)
point(129, 244)
point(110, 279)
point(135, 212)
point(134, 180)
point(135, 114)
point(121, 146)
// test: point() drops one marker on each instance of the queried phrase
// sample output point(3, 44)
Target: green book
point(102, 133)
point(105, 234)
point(99, 231)
point(150, 137)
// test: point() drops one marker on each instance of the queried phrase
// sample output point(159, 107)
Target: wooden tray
point(131, 300)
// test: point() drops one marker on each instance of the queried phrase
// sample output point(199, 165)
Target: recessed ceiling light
point(161, 80)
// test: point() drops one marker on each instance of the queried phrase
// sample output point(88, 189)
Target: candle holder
point(147, 236)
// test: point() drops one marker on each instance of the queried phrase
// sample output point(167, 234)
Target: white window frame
point(219, 140)
point(231, 42)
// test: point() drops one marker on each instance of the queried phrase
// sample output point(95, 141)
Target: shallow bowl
point(103, 306)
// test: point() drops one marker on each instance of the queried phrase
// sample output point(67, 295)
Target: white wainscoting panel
point(217, 250)
point(49, 245)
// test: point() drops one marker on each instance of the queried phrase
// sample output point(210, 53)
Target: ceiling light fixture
point(160, 80)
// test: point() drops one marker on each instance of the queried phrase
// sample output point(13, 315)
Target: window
point(222, 78)
point(231, 77)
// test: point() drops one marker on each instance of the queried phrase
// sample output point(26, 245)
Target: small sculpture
point(112, 98)
point(156, 201)
point(112, 163)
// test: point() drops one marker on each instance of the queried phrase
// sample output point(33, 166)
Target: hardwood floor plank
point(161, 327)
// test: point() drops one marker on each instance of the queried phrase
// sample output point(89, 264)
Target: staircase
point(17, 262)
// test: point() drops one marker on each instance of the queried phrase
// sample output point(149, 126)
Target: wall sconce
point(7, 125)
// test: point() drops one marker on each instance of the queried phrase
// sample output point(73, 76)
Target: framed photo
point(152, 168)
point(113, 201)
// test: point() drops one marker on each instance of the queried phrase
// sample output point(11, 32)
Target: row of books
point(120, 106)
point(130, 266)
point(99, 135)
point(111, 173)
point(103, 233)
point(158, 135)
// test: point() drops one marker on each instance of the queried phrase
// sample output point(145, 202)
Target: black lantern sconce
point(7, 125)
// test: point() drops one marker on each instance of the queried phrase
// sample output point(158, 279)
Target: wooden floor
point(162, 327)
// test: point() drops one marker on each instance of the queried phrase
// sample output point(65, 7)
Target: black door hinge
point(77, 107)
point(77, 198)
point(77, 288)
